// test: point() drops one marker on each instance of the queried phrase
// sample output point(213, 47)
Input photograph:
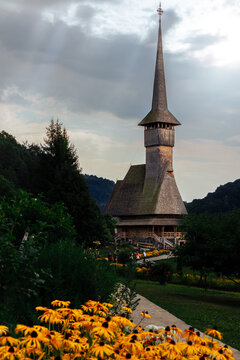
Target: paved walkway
point(154, 258)
point(161, 317)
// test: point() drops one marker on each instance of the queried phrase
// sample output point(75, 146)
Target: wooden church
point(146, 203)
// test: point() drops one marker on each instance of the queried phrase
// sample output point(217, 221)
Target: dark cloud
point(89, 72)
point(85, 12)
point(115, 74)
point(36, 4)
point(203, 98)
point(169, 20)
point(199, 42)
point(43, 4)
point(14, 98)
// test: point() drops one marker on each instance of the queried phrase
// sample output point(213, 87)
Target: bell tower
point(159, 123)
point(147, 203)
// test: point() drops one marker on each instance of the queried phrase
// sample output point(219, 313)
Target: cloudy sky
point(90, 63)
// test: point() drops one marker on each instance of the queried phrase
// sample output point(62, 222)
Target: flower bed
point(144, 272)
point(155, 253)
point(96, 332)
point(212, 283)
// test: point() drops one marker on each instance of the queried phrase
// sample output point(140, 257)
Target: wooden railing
point(172, 234)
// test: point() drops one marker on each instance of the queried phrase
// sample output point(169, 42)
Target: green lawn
point(198, 308)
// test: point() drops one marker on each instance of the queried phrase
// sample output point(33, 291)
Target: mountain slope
point(100, 189)
point(223, 199)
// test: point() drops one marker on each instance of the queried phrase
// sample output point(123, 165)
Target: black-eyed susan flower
point(214, 333)
point(171, 349)
point(145, 314)
point(60, 303)
point(8, 352)
point(30, 353)
point(104, 330)
point(95, 307)
point(101, 349)
point(26, 330)
point(220, 355)
point(189, 334)
point(122, 321)
point(99, 335)
point(33, 340)
point(190, 350)
point(8, 340)
point(3, 330)
point(107, 305)
point(125, 308)
point(52, 317)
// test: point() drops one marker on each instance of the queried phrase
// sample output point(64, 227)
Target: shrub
point(125, 256)
point(75, 273)
point(161, 272)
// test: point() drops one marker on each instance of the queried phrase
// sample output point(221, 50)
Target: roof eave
point(156, 116)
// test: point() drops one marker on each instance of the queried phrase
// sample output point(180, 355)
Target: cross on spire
point(160, 10)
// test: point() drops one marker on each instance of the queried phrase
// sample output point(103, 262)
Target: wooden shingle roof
point(136, 195)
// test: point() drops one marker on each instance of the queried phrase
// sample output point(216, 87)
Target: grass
point(214, 280)
point(185, 269)
point(198, 308)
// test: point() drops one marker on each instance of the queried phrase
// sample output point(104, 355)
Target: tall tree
point(212, 243)
point(62, 181)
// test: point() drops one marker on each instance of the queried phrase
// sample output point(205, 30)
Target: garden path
point(161, 317)
point(154, 258)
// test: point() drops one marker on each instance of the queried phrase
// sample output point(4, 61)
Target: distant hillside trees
point(52, 169)
point(224, 199)
point(100, 189)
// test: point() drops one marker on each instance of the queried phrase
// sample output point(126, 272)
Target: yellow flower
point(95, 307)
point(144, 314)
point(102, 349)
point(213, 332)
point(124, 308)
point(122, 321)
point(70, 314)
point(104, 330)
point(8, 340)
point(149, 352)
point(56, 340)
point(188, 348)
point(26, 330)
point(171, 349)
point(3, 330)
point(33, 340)
point(133, 345)
point(8, 352)
point(189, 334)
point(33, 353)
point(107, 304)
point(51, 316)
point(97, 335)
point(59, 303)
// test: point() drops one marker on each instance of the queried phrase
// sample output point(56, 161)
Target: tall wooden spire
point(159, 101)
point(159, 112)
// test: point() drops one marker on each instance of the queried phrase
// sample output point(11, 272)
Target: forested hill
point(100, 189)
point(223, 199)
point(52, 169)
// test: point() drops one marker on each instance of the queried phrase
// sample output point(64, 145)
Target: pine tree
point(62, 181)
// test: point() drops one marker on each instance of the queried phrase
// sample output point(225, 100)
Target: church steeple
point(159, 112)
point(159, 101)
point(147, 203)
